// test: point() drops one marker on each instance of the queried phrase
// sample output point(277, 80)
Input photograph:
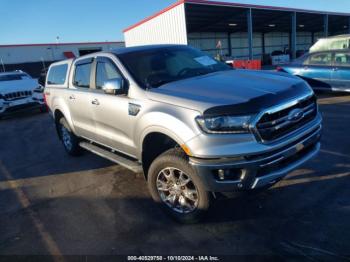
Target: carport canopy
point(208, 16)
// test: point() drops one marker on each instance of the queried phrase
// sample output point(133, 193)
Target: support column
point(312, 38)
point(229, 44)
point(325, 25)
point(263, 43)
point(293, 35)
point(250, 33)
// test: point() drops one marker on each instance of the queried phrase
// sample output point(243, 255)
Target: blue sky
point(40, 21)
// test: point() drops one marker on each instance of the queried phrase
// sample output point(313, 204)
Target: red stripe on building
point(230, 4)
point(64, 44)
point(155, 15)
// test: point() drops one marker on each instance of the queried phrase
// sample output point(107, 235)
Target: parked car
point(194, 126)
point(19, 91)
point(326, 70)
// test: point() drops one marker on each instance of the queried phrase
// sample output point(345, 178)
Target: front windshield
point(155, 67)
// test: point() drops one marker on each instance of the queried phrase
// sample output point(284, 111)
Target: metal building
point(25, 53)
point(237, 30)
point(35, 58)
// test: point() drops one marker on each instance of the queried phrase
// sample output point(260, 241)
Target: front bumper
point(8, 107)
point(258, 170)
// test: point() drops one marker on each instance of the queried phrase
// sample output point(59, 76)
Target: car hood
point(231, 92)
point(18, 85)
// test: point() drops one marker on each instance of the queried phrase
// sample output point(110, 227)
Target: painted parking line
point(26, 204)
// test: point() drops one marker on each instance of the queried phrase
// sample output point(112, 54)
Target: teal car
point(326, 70)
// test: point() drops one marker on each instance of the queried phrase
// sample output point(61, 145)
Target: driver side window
point(106, 70)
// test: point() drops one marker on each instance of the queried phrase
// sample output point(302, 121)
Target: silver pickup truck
point(194, 126)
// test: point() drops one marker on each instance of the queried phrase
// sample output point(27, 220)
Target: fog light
point(229, 174)
point(243, 175)
point(221, 174)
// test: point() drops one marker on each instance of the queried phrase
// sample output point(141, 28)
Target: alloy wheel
point(177, 190)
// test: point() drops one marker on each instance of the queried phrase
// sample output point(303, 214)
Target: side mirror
point(114, 86)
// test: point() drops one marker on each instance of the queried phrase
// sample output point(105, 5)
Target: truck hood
point(18, 85)
point(231, 92)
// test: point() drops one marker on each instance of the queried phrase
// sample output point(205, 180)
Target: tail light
point(45, 98)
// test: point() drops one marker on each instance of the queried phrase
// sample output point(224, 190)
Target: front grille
point(17, 95)
point(275, 125)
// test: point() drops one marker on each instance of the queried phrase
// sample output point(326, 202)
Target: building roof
point(236, 5)
point(63, 44)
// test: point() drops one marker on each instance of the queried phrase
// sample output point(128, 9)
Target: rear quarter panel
point(57, 95)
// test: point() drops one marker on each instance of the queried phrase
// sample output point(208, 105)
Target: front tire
point(175, 185)
point(69, 140)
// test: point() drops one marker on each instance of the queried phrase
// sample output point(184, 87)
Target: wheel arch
point(154, 143)
point(58, 114)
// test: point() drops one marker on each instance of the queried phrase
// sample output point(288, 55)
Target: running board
point(116, 158)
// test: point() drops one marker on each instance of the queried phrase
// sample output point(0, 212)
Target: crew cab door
point(318, 67)
point(341, 70)
point(114, 125)
point(79, 99)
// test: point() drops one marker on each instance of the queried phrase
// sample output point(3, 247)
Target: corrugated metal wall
point(166, 28)
point(239, 44)
point(276, 41)
point(26, 54)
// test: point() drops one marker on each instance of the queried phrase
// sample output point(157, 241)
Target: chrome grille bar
point(17, 95)
point(274, 124)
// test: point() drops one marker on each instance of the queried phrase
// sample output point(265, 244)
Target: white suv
point(19, 91)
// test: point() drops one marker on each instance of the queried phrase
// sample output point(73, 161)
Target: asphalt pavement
point(54, 204)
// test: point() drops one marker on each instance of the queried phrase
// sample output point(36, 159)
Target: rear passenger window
point(342, 59)
point(57, 75)
point(82, 75)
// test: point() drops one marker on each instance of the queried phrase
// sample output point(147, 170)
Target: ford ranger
point(193, 126)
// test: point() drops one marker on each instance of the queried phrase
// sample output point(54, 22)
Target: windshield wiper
point(158, 83)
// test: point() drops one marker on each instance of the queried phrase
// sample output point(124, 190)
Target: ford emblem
point(296, 115)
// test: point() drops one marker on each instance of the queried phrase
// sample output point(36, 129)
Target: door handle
point(72, 97)
point(95, 102)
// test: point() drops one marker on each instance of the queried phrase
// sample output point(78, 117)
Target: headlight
point(39, 89)
point(224, 124)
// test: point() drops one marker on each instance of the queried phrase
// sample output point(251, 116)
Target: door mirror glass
point(113, 86)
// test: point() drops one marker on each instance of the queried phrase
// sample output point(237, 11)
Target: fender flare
point(157, 129)
point(66, 114)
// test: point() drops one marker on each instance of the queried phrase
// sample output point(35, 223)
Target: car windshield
point(13, 77)
point(156, 67)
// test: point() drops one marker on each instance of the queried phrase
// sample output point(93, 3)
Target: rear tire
point(69, 140)
point(175, 185)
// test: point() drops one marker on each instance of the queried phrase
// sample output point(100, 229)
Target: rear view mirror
point(113, 86)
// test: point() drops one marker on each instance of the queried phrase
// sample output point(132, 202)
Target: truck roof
point(126, 50)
